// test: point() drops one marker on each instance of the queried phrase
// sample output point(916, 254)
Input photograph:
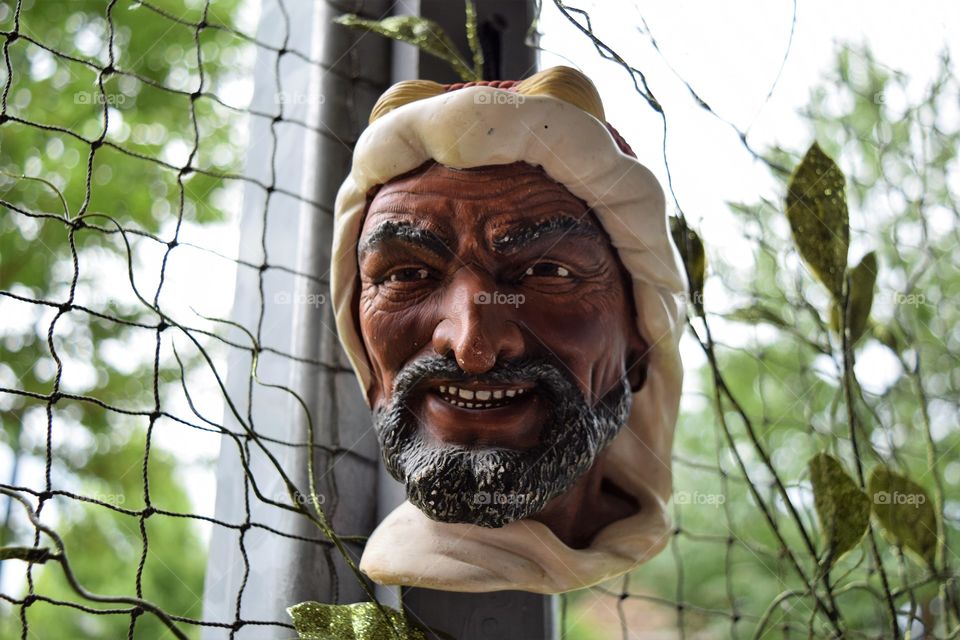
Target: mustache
point(550, 379)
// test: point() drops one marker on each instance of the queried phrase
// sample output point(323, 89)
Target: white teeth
point(480, 395)
point(475, 405)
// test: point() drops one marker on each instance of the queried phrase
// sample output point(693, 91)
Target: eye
point(548, 270)
point(408, 274)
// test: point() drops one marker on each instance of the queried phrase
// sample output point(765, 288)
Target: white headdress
point(553, 120)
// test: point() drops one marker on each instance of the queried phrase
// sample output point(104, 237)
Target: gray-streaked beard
point(493, 486)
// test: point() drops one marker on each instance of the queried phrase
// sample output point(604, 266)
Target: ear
point(638, 358)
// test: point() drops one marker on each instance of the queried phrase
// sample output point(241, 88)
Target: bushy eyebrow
point(405, 232)
point(523, 234)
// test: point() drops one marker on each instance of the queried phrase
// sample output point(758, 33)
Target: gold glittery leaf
point(473, 39)
point(691, 250)
point(360, 621)
point(422, 33)
point(842, 507)
point(817, 210)
point(905, 511)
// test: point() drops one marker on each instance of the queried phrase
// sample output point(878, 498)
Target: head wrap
point(553, 120)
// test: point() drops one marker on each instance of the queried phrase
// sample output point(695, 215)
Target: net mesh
point(142, 83)
point(748, 553)
point(93, 107)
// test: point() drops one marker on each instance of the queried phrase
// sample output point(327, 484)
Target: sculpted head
point(501, 334)
point(507, 292)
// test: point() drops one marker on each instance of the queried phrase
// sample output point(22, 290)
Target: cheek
point(588, 335)
point(392, 337)
point(589, 320)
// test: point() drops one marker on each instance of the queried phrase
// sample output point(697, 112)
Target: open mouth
point(487, 414)
point(481, 396)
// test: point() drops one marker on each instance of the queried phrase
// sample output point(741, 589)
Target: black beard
point(494, 486)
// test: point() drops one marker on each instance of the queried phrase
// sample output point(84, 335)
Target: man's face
point(500, 333)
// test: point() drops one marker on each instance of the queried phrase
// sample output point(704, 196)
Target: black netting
point(748, 555)
point(122, 85)
point(117, 137)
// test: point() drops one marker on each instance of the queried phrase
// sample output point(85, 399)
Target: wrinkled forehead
point(485, 197)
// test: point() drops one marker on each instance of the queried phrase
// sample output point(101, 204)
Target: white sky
point(730, 53)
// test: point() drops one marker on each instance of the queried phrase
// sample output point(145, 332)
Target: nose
point(477, 322)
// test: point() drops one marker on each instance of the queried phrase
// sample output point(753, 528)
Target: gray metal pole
point(270, 571)
point(357, 73)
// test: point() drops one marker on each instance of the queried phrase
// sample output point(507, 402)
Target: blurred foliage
point(167, 144)
point(780, 352)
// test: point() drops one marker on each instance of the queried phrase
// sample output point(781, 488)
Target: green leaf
point(842, 507)
point(694, 259)
point(422, 33)
point(905, 512)
point(817, 210)
point(27, 554)
point(360, 621)
point(888, 336)
point(757, 314)
point(862, 281)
